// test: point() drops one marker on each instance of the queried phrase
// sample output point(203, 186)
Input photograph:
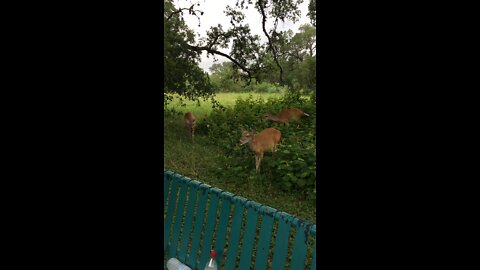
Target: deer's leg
point(259, 160)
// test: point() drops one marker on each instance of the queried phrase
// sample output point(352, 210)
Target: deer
point(285, 116)
point(190, 123)
point(259, 142)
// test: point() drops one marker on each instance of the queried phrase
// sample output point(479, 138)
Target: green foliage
point(292, 167)
point(250, 58)
point(225, 79)
point(298, 60)
point(312, 12)
point(265, 87)
point(182, 75)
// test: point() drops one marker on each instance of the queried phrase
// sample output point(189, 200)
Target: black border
point(86, 114)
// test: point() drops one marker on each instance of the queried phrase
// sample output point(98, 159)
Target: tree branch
point(264, 19)
point(192, 11)
point(212, 51)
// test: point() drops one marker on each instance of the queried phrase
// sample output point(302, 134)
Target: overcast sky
point(214, 15)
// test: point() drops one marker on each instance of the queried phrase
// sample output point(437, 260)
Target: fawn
point(285, 116)
point(190, 123)
point(259, 142)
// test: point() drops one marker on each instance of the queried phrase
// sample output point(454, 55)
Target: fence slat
point(222, 230)
point(264, 242)
point(281, 245)
point(248, 238)
point(209, 227)
point(168, 219)
point(178, 220)
point(234, 237)
point(199, 215)
point(187, 225)
point(299, 254)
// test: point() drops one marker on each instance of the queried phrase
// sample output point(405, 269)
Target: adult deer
point(190, 123)
point(285, 116)
point(259, 142)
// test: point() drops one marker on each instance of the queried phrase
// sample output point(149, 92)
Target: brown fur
point(259, 142)
point(286, 116)
point(190, 123)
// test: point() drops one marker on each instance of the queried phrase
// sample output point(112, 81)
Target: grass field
point(199, 160)
point(226, 99)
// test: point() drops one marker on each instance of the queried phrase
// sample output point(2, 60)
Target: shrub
point(292, 167)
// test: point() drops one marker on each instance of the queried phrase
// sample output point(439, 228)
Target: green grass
point(226, 99)
point(199, 160)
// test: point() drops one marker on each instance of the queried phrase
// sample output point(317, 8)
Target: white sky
point(214, 15)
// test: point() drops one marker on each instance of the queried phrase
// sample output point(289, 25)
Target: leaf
point(304, 174)
point(301, 182)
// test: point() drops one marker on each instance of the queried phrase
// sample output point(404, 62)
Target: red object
point(213, 254)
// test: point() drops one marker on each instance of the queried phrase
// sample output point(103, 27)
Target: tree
point(299, 54)
point(312, 12)
point(182, 75)
point(251, 59)
point(224, 78)
point(302, 43)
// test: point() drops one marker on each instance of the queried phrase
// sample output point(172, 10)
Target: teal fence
point(245, 234)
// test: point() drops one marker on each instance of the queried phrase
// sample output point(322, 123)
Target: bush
point(266, 87)
point(263, 87)
point(292, 167)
